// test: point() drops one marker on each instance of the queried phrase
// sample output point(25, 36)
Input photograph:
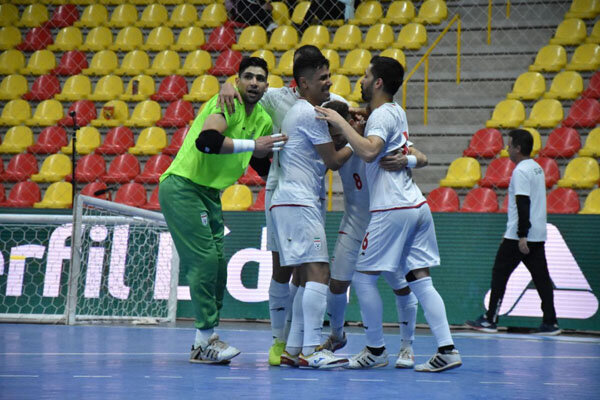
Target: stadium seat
point(144, 87)
point(562, 142)
point(546, 113)
point(145, 114)
point(151, 141)
point(528, 86)
point(498, 173)
point(340, 85)
point(203, 88)
point(367, 13)
point(183, 16)
point(481, 200)
point(113, 113)
point(176, 141)
point(570, 32)
point(463, 172)
point(443, 199)
point(85, 112)
point(280, 13)
point(592, 203)
point(153, 15)
point(16, 140)
point(88, 138)
point(283, 38)
point(236, 198)
point(129, 38)
point(285, 65)
point(356, 62)
point(108, 87)
point(131, 194)
point(581, 173)
point(104, 62)
point(2, 194)
point(593, 89)
point(159, 39)
point(300, 11)
point(594, 37)
point(550, 58)
point(356, 94)
point(399, 13)
point(566, 85)
point(69, 38)
point(259, 203)
point(99, 38)
point(11, 61)
point(13, 86)
point(154, 168)
point(40, 62)
point(54, 168)
point(251, 178)
point(178, 114)
point(33, 15)
point(166, 62)
point(562, 201)
point(275, 81)
point(71, 63)
point(486, 143)
point(551, 171)
point(135, 62)
point(10, 37)
point(153, 203)
point(584, 113)
point(189, 39)
point(15, 112)
point(316, 35)
point(213, 15)
point(432, 12)
point(220, 39)
point(20, 168)
point(37, 38)
point(227, 63)
point(585, 58)
point(76, 87)
point(97, 189)
point(124, 168)
point(9, 14)
point(252, 38)
point(172, 88)
point(58, 195)
point(585, 9)
point(49, 141)
point(23, 195)
point(507, 114)
point(378, 37)
point(118, 140)
point(268, 56)
point(412, 36)
point(334, 60)
point(396, 54)
point(537, 143)
point(123, 15)
point(346, 37)
point(196, 63)
point(92, 16)
point(89, 168)
point(592, 144)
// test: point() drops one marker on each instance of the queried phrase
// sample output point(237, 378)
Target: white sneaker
point(366, 359)
point(333, 343)
point(441, 362)
point(289, 360)
point(215, 352)
point(322, 359)
point(406, 358)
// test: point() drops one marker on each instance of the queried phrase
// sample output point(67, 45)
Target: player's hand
point(358, 123)
point(355, 112)
point(523, 248)
point(395, 161)
point(227, 96)
point(266, 144)
point(331, 116)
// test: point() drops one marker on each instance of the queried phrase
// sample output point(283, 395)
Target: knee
point(338, 287)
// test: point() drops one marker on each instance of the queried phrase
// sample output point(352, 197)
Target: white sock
point(314, 305)
point(407, 306)
point(279, 294)
point(336, 309)
point(294, 340)
point(288, 316)
point(434, 309)
point(371, 307)
point(202, 336)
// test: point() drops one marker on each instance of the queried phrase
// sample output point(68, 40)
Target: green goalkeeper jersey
point(219, 170)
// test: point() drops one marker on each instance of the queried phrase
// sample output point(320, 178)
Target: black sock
point(446, 349)
point(376, 351)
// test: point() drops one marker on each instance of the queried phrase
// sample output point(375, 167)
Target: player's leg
point(295, 338)
point(279, 303)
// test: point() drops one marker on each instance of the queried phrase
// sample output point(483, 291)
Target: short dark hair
point(307, 50)
point(523, 139)
point(390, 71)
point(309, 63)
point(248, 62)
point(339, 106)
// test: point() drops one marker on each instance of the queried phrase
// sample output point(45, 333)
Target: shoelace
point(405, 353)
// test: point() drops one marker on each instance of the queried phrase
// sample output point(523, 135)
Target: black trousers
point(507, 260)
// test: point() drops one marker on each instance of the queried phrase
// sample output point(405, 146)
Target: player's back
point(356, 197)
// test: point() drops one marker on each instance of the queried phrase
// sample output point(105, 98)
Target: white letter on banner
point(93, 276)
point(162, 281)
point(57, 252)
point(16, 268)
point(118, 254)
point(1, 264)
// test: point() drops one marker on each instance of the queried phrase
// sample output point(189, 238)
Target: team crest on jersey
point(204, 218)
point(317, 243)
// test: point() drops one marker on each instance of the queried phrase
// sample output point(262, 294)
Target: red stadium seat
point(480, 200)
point(486, 142)
point(124, 168)
point(43, 88)
point(2, 194)
point(89, 168)
point(593, 89)
point(50, 140)
point(85, 112)
point(154, 168)
point(251, 178)
point(153, 203)
point(584, 113)
point(118, 141)
point(20, 168)
point(228, 63)
point(72, 62)
point(259, 204)
point(176, 141)
point(37, 38)
point(498, 173)
point(131, 194)
point(443, 199)
point(178, 114)
point(172, 88)
point(551, 171)
point(64, 15)
point(221, 38)
point(23, 195)
point(94, 187)
point(562, 142)
point(562, 201)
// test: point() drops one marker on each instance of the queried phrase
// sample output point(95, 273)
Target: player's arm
point(397, 161)
point(227, 96)
point(333, 159)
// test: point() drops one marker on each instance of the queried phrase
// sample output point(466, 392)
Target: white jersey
point(528, 180)
point(390, 190)
point(356, 198)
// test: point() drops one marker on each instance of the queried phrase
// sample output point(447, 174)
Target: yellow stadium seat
point(300, 11)
point(528, 86)
point(585, 58)
point(592, 144)
point(581, 173)
point(129, 38)
point(151, 141)
point(334, 59)
point(10, 36)
point(378, 37)
point(546, 113)
point(347, 37)
point(108, 87)
point(165, 63)
point(432, 12)
point(566, 85)
point(196, 63)
point(99, 38)
point(280, 13)
point(123, 15)
point(54, 168)
point(367, 13)
point(340, 85)
point(412, 36)
point(145, 88)
point(356, 94)
point(182, 16)
point(203, 88)
point(275, 81)
point(9, 14)
point(231, 80)
point(585, 9)
point(134, 63)
point(316, 35)
point(285, 65)
point(399, 13)
point(16, 140)
point(396, 54)
point(356, 62)
point(507, 114)
point(88, 138)
point(159, 39)
point(266, 55)
point(68, 38)
point(212, 16)
point(145, 113)
point(252, 38)
point(13, 86)
point(463, 172)
point(104, 62)
point(571, 31)
point(189, 39)
point(153, 15)
point(47, 113)
point(76, 87)
point(33, 15)
point(594, 37)
point(113, 113)
point(40, 62)
point(283, 38)
point(93, 15)
point(15, 112)
point(537, 143)
point(550, 58)
point(236, 198)
point(592, 203)
point(58, 195)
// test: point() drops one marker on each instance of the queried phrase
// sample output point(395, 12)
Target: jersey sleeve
point(378, 126)
point(314, 129)
point(521, 183)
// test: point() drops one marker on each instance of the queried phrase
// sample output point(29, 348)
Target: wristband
point(412, 161)
point(243, 145)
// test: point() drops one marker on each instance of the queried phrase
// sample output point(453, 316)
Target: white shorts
point(271, 241)
point(344, 259)
point(300, 235)
point(399, 240)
